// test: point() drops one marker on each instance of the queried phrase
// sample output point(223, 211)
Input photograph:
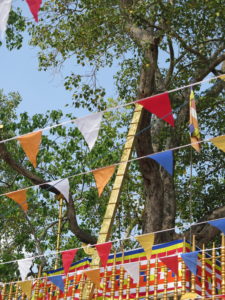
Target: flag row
point(103, 175)
point(5, 7)
point(146, 241)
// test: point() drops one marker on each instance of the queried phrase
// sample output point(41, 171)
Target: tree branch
point(80, 233)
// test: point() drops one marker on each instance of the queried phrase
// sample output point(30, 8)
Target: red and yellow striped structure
point(155, 278)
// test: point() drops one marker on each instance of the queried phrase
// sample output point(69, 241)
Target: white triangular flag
point(5, 6)
point(63, 186)
point(24, 267)
point(89, 126)
point(133, 269)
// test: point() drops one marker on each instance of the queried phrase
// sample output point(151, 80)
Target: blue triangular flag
point(190, 259)
point(220, 224)
point(165, 159)
point(58, 281)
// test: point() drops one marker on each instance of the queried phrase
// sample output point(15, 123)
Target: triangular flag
point(103, 252)
point(30, 144)
point(89, 126)
point(67, 259)
point(190, 259)
point(165, 159)
point(26, 287)
point(193, 123)
point(63, 186)
point(58, 281)
point(190, 295)
point(102, 177)
point(133, 269)
point(5, 6)
point(20, 197)
point(222, 77)
point(146, 241)
point(219, 224)
point(160, 106)
point(24, 267)
point(94, 276)
point(34, 6)
point(171, 262)
point(219, 142)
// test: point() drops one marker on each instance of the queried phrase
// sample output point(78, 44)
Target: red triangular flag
point(160, 106)
point(34, 6)
point(67, 259)
point(171, 262)
point(103, 252)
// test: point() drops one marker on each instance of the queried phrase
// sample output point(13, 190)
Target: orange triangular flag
point(30, 144)
point(102, 177)
point(94, 276)
point(20, 197)
point(219, 142)
point(146, 241)
point(26, 287)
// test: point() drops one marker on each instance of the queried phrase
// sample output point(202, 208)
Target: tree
point(159, 45)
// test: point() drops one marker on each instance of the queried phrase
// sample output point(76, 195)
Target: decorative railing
point(156, 280)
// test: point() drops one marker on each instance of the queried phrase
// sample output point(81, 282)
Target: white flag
point(133, 269)
point(24, 267)
point(89, 126)
point(5, 6)
point(63, 186)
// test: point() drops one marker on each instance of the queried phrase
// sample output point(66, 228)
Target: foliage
point(179, 42)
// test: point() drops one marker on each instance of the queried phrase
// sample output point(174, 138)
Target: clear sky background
point(40, 90)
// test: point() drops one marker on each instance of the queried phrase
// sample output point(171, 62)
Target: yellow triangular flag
point(190, 296)
point(20, 197)
point(94, 276)
point(102, 177)
point(30, 144)
point(219, 142)
point(26, 287)
point(146, 241)
point(222, 77)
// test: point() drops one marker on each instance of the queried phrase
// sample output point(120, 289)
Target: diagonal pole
point(110, 213)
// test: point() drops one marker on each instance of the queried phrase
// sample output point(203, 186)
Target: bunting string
point(115, 107)
point(117, 164)
point(53, 253)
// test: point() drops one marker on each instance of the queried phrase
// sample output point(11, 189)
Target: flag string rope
point(53, 253)
point(119, 264)
point(115, 107)
point(115, 165)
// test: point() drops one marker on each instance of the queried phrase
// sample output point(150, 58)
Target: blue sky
point(40, 90)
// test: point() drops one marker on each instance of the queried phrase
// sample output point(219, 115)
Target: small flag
point(94, 276)
point(34, 6)
point(24, 267)
point(63, 186)
point(219, 142)
point(30, 144)
point(103, 252)
point(160, 106)
point(89, 126)
point(146, 241)
point(102, 177)
point(26, 287)
point(219, 224)
point(193, 123)
point(57, 281)
point(67, 259)
point(165, 159)
point(133, 269)
point(171, 262)
point(190, 259)
point(5, 6)
point(20, 197)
